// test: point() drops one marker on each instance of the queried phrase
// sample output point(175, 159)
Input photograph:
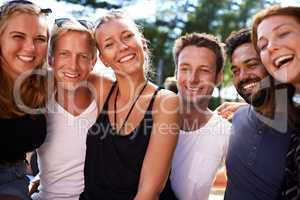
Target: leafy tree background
point(177, 17)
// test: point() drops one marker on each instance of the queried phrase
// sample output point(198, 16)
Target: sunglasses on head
point(19, 2)
point(25, 2)
point(99, 21)
point(61, 21)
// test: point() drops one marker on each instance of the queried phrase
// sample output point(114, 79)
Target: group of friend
point(100, 138)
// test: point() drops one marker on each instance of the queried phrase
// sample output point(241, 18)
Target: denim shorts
point(13, 180)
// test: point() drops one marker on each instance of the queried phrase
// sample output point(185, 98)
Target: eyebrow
point(126, 31)
point(122, 32)
point(184, 64)
point(200, 66)
point(251, 59)
point(62, 50)
point(107, 39)
point(279, 26)
point(21, 33)
point(16, 32)
point(45, 36)
point(276, 28)
point(246, 61)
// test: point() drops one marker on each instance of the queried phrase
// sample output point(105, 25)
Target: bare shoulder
point(99, 80)
point(166, 93)
point(100, 84)
point(166, 99)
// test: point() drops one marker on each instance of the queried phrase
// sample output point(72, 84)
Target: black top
point(21, 135)
point(114, 162)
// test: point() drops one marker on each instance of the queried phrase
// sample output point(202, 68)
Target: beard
point(256, 97)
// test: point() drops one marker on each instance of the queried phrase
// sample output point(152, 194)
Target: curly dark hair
point(237, 38)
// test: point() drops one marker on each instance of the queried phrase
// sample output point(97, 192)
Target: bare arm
point(163, 140)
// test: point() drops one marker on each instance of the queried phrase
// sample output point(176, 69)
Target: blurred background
point(164, 20)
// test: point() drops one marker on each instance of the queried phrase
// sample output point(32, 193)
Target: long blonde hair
point(33, 89)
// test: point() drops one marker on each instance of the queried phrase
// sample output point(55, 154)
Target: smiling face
point(121, 47)
point(23, 43)
point(196, 74)
point(278, 39)
point(73, 59)
point(247, 70)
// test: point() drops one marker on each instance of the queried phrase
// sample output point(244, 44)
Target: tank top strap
point(105, 106)
point(153, 98)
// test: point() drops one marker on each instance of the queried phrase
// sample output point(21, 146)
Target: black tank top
point(113, 162)
point(20, 135)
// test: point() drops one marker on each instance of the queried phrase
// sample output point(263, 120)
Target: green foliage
point(177, 17)
point(218, 17)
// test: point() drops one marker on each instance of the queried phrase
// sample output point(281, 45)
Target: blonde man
point(72, 109)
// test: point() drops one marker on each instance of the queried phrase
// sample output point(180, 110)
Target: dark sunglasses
point(61, 21)
point(10, 3)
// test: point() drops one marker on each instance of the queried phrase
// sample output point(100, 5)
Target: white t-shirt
point(197, 157)
point(61, 157)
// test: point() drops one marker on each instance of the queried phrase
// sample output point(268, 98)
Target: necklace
point(130, 110)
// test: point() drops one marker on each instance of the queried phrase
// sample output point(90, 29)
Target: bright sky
point(139, 9)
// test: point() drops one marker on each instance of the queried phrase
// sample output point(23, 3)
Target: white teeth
point(250, 85)
point(126, 58)
point(282, 59)
point(194, 89)
point(69, 75)
point(26, 58)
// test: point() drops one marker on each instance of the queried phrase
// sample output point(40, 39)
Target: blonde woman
point(23, 48)
point(130, 147)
